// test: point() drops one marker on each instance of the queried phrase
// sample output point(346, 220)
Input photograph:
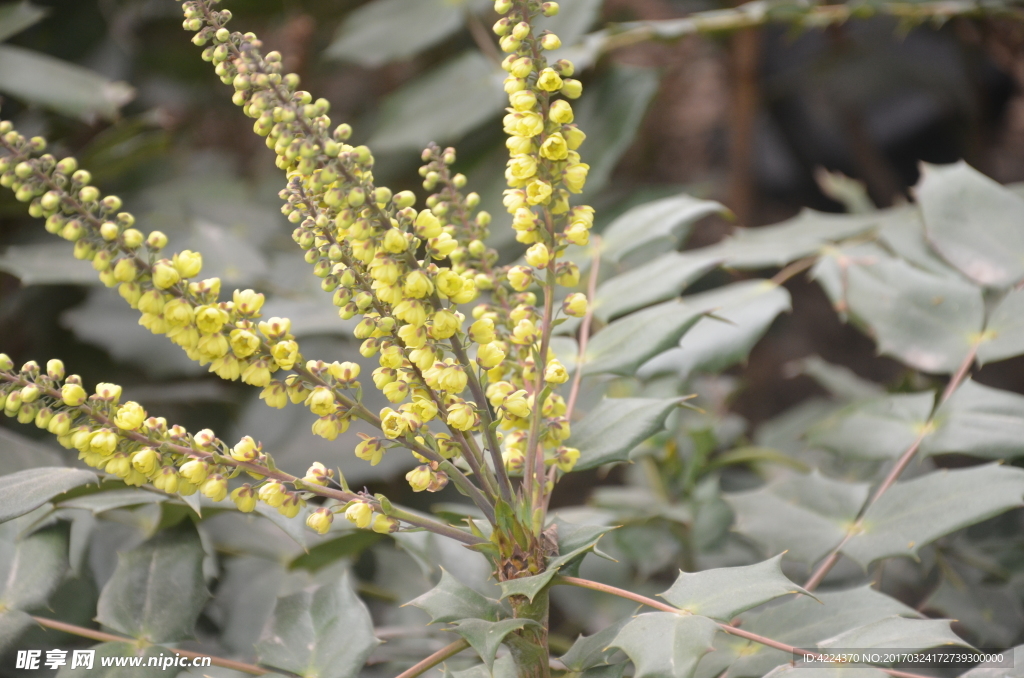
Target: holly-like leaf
point(725, 592)
point(108, 500)
point(324, 632)
point(974, 223)
point(486, 637)
point(916, 512)
point(452, 600)
point(662, 222)
point(1004, 333)
point(19, 453)
point(990, 613)
point(806, 515)
point(666, 645)
point(981, 421)
point(1017, 671)
point(591, 651)
point(805, 671)
point(13, 623)
point(434, 107)
point(882, 428)
point(17, 16)
point(928, 321)
point(657, 280)
point(528, 586)
point(27, 490)
point(741, 313)
point(111, 650)
point(617, 425)
point(897, 632)
point(778, 245)
point(388, 30)
point(157, 590)
point(33, 566)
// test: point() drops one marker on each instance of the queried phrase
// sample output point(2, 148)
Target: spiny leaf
point(666, 645)
point(897, 632)
point(590, 651)
point(725, 592)
point(1004, 332)
point(27, 490)
point(486, 637)
point(157, 590)
point(649, 283)
point(324, 632)
point(451, 601)
point(660, 221)
point(916, 512)
point(611, 430)
point(881, 428)
point(33, 566)
point(981, 421)
point(625, 344)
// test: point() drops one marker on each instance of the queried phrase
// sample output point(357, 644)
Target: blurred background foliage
point(798, 110)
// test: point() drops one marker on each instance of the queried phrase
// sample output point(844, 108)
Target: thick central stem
point(529, 646)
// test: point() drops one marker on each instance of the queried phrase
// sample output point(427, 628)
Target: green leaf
point(805, 671)
point(742, 313)
point(325, 632)
point(780, 244)
point(974, 223)
point(842, 382)
point(13, 623)
point(17, 16)
point(806, 515)
point(346, 546)
point(101, 501)
point(610, 111)
point(486, 637)
point(611, 430)
point(981, 421)
point(991, 613)
point(34, 265)
point(32, 567)
point(1004, 332)
point(663, 222)
point(434, 107)
point(625, 344)
point(992, 672)
point(666, 645)
point(899, 633)
point(157, 590)
point(590, 651)
point(27, 490)
point(528, 586)
point(725, 592)
point(451, 601)
point(916, 512)
point(19, 453)
point(803, 622)
point(653, 281)
point(902, 230)
point(389, 30)
point(504, 667)
point(882, 428)
point(59, 85)
point(929, 322)
point(574, 542)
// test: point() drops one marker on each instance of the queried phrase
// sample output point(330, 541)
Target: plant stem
point(890, 479)
point(111, 638)
point(595, 266)
point(732, 630)
point(433, 660)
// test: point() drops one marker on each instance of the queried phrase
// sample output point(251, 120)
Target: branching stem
point(446, 652)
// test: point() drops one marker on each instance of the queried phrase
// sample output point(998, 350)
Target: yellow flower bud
point(108, 392)
point(575, 176)
point(275, 328)
point(383, 524)
point(165, 275)
point(482, 331)
point(538, 256)
point(244, 498)
point(417, 285)
point(522, 66)
point(549, 81)
point(146, 460)
point(574, 137)
point(489, 356)
point(243, 342)
point(550, 42)
point(538, 192)
point(209, 319)
point(275, 395)
point(371, 450)
point(247, 302)
point(330, 427)
point(394, 241)
point(462, 416)
point(318, 474)
point(520, 277)
point(285, 353)
point(441, 246)
point(420, 478)
point(215, 487)
point(524, 100)
point(449, 283)
point(188, 263)
point(560, 112)
point(521, 168)
point(360, 514)
point(575, 305)
point(246, 449)
point(427, 225)
point(273, 493)
point(124, 270)
point(567, 274)
point(572, 89)
point(290, 505)
point(518, 145)
point(392, 423)
point(525, 332)
point(529, 124)
point(166, 479)
point(516, 404)
point(577, 234)
point(321, 401)
point(555, 372)
point(555, 147)
point(195, 471)
point(130, 416)
point(453, 379)
point(565, 458)
point(320, 520)
point(444, 324)
point(73, 395)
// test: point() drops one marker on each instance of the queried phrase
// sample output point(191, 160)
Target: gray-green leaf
point(451, 601)
point(897, 632)
point(653, 281)
point(974, 223)
point(882, 428)
point(17, 16)
point(590, 651)
point(27, 490)
point(725, 592)
point(157, 590)
point(32, 567)
point(324, 632)
point(981, 421)
point(660, 222)
point(617, 425)
point(1004, 332)
point(916, 512)
point(625, 344)
point(666, 645)
point(486, 637)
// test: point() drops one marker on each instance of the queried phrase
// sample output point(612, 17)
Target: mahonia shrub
point(487, 367)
